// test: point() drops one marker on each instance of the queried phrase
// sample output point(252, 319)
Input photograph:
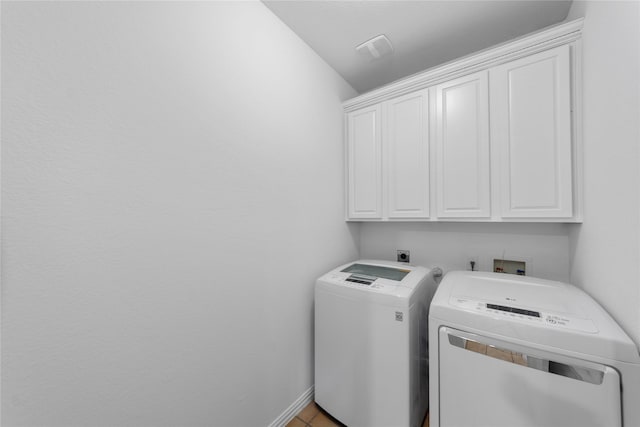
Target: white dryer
point(371, 343)
point(515, 351)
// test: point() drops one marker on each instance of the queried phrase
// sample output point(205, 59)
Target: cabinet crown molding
point(549, 38)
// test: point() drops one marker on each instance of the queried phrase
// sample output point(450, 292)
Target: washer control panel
point(525, 315)
point(359, 282)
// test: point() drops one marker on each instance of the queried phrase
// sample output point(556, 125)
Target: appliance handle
point(476, 345)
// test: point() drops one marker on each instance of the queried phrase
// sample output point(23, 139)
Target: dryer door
point(488, 382)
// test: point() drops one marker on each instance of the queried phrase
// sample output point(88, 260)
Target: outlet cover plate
point(404, 256)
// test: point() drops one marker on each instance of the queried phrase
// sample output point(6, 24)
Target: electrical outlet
point(403, 256)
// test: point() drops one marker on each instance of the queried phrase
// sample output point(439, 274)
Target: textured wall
point(544, 247)
point(171, 188)
point(605, 249)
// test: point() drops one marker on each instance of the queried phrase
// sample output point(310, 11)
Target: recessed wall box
point(509, 266)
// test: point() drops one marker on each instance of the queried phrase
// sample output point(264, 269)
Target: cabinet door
point(531, 130)
point(364, 165)
point(406, 148)
point(462, 147)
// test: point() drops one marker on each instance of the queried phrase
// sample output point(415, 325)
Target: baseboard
point(293, 409)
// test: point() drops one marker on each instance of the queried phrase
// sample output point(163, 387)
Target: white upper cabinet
point(364, 154)
point(462, 148)
point(406, 150)
point(388, 159)
point(531, 133)
point(493, 136)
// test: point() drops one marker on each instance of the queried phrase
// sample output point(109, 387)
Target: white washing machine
point(371, 343)
point(515, 351)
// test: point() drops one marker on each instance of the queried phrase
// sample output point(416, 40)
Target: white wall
point(545, 247)
point(605, 249)
point(172, 186)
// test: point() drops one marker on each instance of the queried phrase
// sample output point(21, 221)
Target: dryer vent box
point(509, 266)
point(375, 48)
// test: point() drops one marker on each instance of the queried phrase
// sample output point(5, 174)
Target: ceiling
point(423, 33)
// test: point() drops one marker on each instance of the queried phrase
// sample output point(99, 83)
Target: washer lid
point(398, 280)
point(539, 311)
point(370, 272)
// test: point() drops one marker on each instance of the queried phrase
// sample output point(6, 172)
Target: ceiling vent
point(375, 48)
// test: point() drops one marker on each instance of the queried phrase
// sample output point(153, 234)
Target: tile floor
point(313, 416)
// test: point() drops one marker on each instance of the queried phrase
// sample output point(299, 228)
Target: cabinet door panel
point(364, 163)
point(407, 152)
point(463, 175)
point(531, 129)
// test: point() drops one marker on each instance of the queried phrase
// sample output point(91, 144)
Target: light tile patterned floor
point(313, 416)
